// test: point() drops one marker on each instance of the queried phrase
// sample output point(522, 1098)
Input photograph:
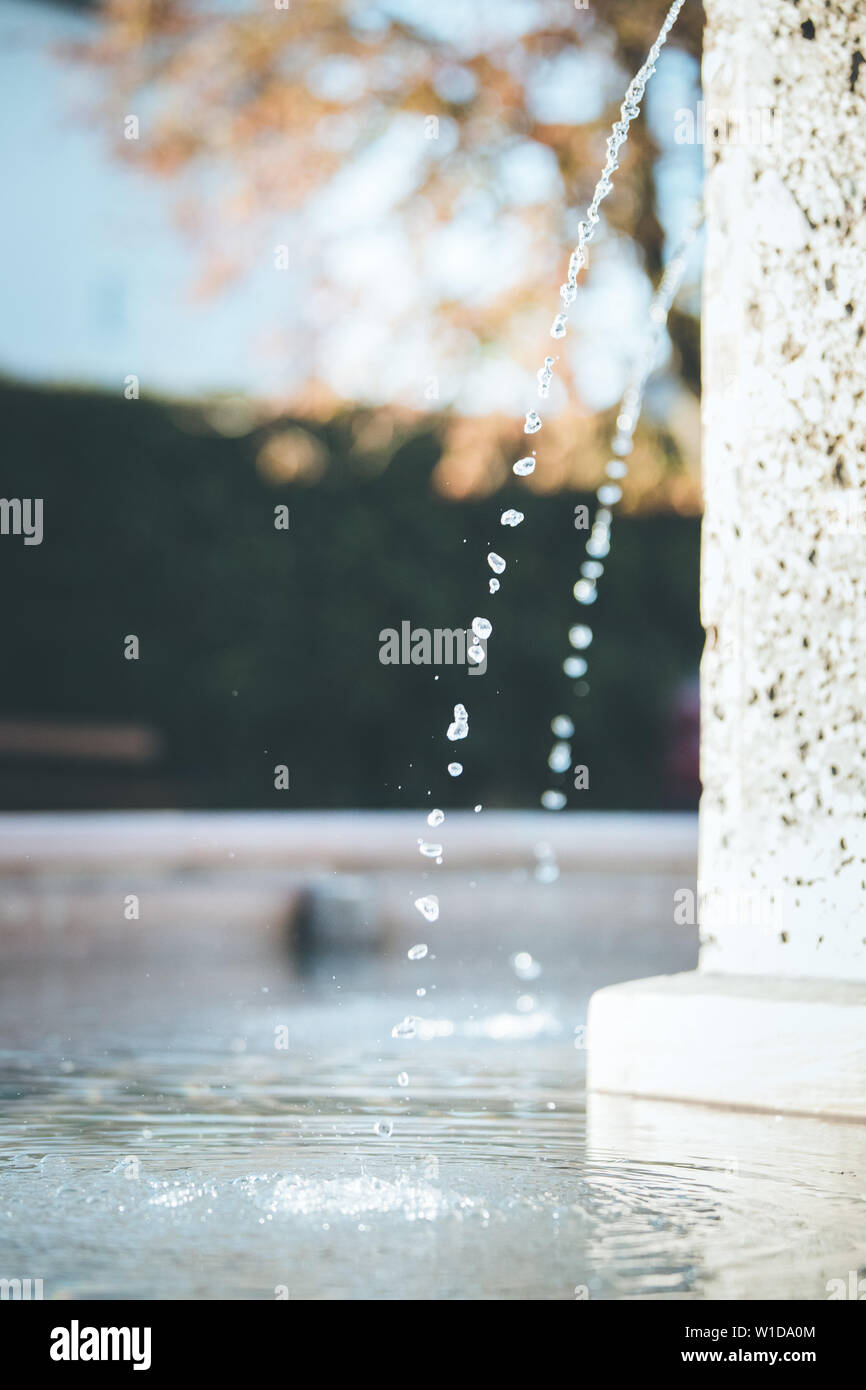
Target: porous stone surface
point(783, 745)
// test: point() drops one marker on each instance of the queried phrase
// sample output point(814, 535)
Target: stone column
point(783, 582)
point(782, 866)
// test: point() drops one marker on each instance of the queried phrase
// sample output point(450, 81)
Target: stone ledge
point(87, 842)
point(757, 1042)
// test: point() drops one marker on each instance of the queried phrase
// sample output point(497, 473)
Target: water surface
point(156, 1143)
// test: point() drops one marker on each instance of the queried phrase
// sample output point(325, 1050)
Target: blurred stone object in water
point(334, 914)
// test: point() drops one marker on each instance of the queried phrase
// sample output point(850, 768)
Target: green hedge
point(159, 526)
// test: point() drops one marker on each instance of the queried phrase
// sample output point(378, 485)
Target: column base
point(759, 1042)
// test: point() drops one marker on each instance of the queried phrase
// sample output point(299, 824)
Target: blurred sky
point(98, 275)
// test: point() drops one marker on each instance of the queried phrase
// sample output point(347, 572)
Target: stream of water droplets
point(585, 589)
point(598, 543)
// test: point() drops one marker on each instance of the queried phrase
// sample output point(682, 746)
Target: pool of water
point(157, 1142)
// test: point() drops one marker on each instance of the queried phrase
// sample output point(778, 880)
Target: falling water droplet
point(494, 586)
point(403, 1078)
point(562, 726)
point(532, 423)
point(511, 517)
point(428, 907)
point(417, 952)
point(524, 967)
point(559, 327)
point(523, 467)
point(459, 728)
point(574, 666)
point(553, 801)
point(585, 591)
point(580, 636)
point(477, 808)
point(560, 757)
point(455, 769)
point(545, 376)
point(609, 494)
point(428, 850)
point(482, 627)
point(384, 1129)
point(496, 562)
point(476, 653)
point(436, 817)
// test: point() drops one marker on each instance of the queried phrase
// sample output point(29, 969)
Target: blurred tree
point(428, 164)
